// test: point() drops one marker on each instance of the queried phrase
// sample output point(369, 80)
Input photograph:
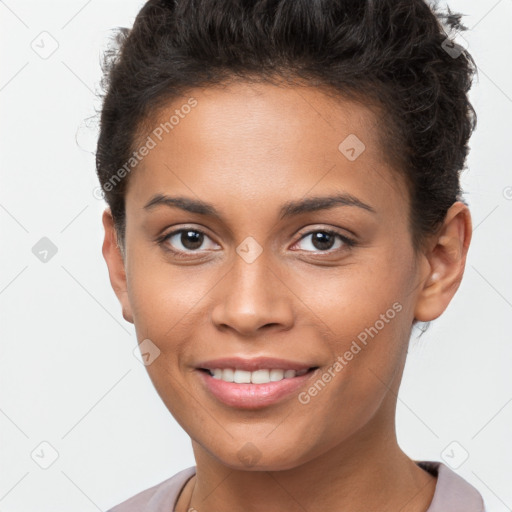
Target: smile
point(263, 376)
point(243, 389)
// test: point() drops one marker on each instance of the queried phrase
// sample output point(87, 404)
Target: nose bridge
point(252, 296)
point(251, 274)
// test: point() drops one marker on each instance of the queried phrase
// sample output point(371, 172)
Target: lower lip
point(253, 396)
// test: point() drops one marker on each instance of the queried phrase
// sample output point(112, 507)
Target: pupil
point(191, 239)
point(323, 240)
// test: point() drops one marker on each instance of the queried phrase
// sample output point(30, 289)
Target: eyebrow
point(288, 209)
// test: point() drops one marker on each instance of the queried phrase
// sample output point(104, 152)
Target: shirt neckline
point(452, 493)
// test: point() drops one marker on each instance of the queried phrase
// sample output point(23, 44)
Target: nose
point(252, 297)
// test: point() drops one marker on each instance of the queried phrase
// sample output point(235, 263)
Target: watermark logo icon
point(249, 454)
point(249, 250)
point(455, 455)
point(454, 49)
point(44, 455)
point(44, 250)
point(352, 147)
point(146, 352)
point(45, 45)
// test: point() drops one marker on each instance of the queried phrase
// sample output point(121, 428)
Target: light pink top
point(452, 493)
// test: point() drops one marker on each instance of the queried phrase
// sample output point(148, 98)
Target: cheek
point(161, 295)
point(365, 315)
point(369, 348)
point(364, 300)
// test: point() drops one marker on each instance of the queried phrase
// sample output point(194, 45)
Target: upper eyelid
point(169, 235)
point(336, 231)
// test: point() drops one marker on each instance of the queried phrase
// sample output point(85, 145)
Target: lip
point(253, 364)
point(253, 396)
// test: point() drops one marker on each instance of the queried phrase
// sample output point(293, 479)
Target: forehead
point(257, 142)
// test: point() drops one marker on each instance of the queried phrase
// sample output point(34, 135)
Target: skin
point(248, 150)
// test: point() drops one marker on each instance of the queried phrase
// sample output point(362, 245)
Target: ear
point(116, 265)
point(447, 259)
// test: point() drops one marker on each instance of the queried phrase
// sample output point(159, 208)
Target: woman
point(282, 180)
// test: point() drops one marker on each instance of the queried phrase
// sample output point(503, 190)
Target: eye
point(186, 240)
point(325, 240)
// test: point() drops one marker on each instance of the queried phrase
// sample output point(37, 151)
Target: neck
point(366, 472)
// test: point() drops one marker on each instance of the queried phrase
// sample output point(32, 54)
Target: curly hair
point(394, 55)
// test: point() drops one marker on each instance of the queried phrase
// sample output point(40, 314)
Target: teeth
point(260, 376)
point(256, 377)
point(275, 375)
point(242, 377)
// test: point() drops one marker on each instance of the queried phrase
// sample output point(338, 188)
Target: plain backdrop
point(81, 426)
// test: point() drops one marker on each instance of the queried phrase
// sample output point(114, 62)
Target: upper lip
point(253, 364)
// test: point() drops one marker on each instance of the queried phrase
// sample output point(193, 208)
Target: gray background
point(68, 375)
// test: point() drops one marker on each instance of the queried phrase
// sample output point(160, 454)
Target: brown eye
point(191, 239)
point(187, 240)
point(325, 240)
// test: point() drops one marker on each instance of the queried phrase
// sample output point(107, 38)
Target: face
point(255, 261)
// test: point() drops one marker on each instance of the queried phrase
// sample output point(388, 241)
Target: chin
point(270, 458)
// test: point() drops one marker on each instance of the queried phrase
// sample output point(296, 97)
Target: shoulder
point(160, 497)
point(452, 493)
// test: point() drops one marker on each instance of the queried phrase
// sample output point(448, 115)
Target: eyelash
point(348, 242)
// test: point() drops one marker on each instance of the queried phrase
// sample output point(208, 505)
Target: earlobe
point(116, 265)
point(447, 260)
